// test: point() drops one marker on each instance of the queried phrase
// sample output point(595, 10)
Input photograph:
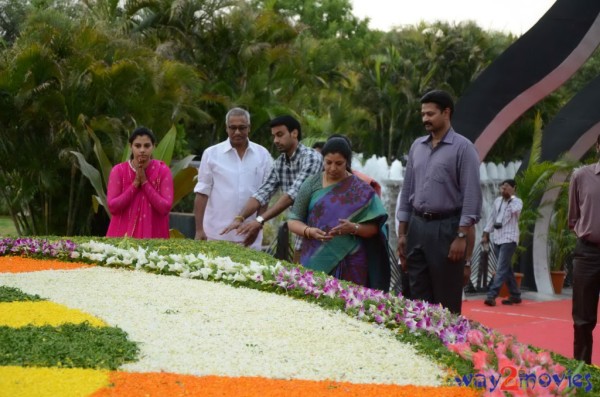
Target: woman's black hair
point(344, 137)
point(141, 131)
point(338, 145)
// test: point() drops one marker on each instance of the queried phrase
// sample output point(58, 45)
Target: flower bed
point(236, 331)
point(485, 349)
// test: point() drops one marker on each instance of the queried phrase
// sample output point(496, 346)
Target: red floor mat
point(543, 324)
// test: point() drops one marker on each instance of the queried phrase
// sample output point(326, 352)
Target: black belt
point(436, 216)
point(589, 243)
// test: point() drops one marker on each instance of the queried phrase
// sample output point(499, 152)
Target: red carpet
point(547, 325)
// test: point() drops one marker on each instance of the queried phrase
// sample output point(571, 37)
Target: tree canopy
point(74, 70)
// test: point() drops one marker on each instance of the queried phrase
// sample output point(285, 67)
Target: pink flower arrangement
point(507, 367)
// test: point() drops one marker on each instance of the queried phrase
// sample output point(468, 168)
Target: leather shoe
point(490, 302)
point(511, 301)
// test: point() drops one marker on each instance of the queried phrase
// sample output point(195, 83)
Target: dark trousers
point(504, 271)
point(433, 277)
point(586, 287)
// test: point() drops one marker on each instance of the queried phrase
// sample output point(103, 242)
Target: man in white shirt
point(230, 172)
point(296, 163)
point(504, 224)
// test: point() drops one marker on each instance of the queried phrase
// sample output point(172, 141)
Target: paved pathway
point(541, 320)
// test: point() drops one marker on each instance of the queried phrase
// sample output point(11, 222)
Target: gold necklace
point(329, 182)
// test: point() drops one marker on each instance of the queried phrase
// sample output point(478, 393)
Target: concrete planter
point(184, 223)
point(504, 293)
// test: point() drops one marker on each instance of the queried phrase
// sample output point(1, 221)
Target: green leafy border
point(66, 346)
point(10, 294)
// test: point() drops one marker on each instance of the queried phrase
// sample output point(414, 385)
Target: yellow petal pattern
point(21, 314)
point(51, 382)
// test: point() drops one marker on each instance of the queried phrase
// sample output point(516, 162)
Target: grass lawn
point(6, 226)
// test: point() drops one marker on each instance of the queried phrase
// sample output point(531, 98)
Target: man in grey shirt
point(440, 203)
point(584, 213)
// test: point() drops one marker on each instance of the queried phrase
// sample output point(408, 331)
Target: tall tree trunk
point(20, 223)
point(382, 126)
point(390, 139)
point(70, 215)
point(78, 200)
point(13, 214)
point(46, 213)
point(34, 227)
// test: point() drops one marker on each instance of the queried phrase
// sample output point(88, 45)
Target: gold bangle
point(239, 218)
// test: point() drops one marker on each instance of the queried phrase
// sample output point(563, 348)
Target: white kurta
point(229, 181)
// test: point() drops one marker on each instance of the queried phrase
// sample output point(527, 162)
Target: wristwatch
point(461, 235)
point(260, 220)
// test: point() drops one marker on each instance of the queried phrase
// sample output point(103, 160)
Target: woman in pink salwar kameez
point(140, 192)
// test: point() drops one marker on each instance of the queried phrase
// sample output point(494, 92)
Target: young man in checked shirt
point(296, 163)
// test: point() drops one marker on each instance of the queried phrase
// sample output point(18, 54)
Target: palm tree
point(533, 182)
point(62, 79)
point(12, 15)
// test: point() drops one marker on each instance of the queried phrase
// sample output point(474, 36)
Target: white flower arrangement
point(205, 328)
point(187, 266)
point(362, 303)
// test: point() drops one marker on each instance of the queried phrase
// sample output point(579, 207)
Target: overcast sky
point(515, 16)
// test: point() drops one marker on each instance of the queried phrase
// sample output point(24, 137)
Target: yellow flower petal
point(20, 314)
point(51, 382)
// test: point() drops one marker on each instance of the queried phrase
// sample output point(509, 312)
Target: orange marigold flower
point(173, 385)
point(18, 264)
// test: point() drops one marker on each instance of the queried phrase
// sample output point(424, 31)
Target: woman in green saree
point(342, 221)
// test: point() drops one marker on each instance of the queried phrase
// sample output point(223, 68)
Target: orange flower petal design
point(173, 385)
point(18, 264)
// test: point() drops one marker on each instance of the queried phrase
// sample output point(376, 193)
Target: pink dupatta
point(140, 212)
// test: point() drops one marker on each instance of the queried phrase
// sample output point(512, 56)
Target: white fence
point(391, 177)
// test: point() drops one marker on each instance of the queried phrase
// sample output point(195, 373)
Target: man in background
point(318, 146)
point(584, 220)
point(503, 224)
point(230, 172)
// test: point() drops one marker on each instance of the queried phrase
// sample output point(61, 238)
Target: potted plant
point(561, 241)
point(504, 291)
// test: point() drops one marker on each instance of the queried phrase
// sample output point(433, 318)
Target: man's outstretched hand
point(232, 226)
point(250, 230)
